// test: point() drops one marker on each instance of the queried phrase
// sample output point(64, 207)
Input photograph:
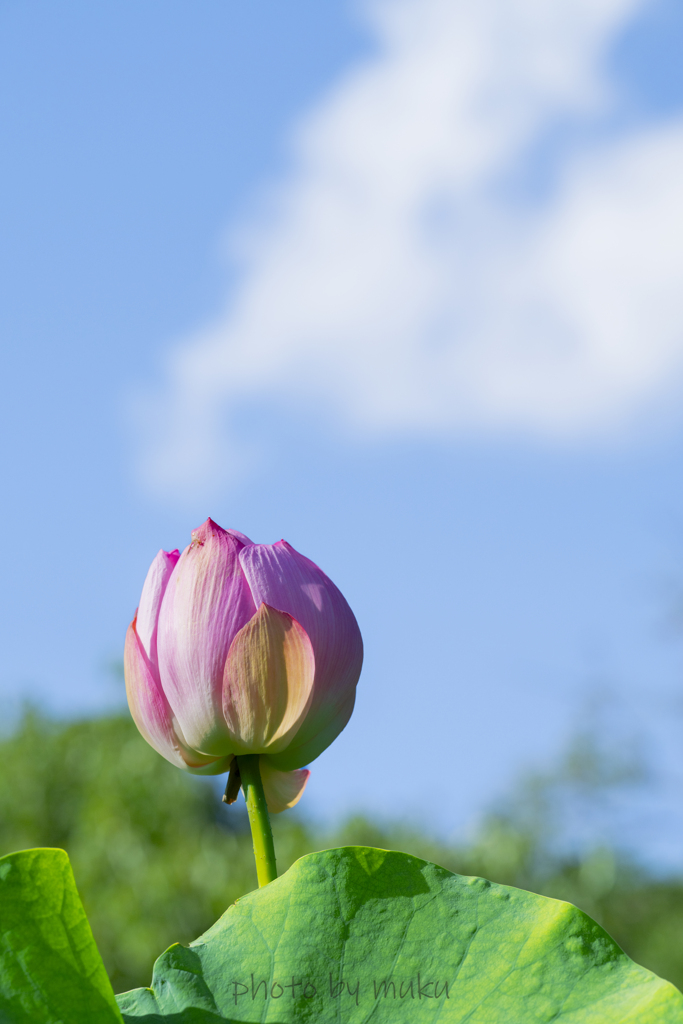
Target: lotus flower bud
point(241, 648)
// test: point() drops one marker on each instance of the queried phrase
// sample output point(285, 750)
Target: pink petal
point(294, 756)
point(284, 579)
point(282, 789)
point(152, 713)
point(240, 536)
point(207, 601)
point(268, 682)
point(152, 592)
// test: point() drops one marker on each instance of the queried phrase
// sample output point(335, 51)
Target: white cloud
point(397, 286)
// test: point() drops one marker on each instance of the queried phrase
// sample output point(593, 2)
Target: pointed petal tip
point(210, 528)
point(166, 557)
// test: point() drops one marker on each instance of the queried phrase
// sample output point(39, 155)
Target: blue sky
point(399, 283)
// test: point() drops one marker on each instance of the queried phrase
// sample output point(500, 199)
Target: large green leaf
point(359, 934)
point(50, 969)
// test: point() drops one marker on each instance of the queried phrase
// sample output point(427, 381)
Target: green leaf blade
point(50, 968)
point(357, 934)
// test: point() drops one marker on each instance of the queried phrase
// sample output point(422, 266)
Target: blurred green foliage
point(157, 856)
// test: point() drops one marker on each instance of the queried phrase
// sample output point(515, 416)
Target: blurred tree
point(158, 857)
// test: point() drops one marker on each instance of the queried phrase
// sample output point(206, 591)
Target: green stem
point(262, 837)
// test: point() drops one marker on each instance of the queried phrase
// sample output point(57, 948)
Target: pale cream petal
point(282, 789)
point(268, 682)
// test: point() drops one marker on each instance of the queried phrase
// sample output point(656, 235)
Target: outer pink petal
point(207, 601)
point(242, 537)
point(150, 602)
point(281, 577)
point(296, 756)
point(151, 711)
point(282, 790)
